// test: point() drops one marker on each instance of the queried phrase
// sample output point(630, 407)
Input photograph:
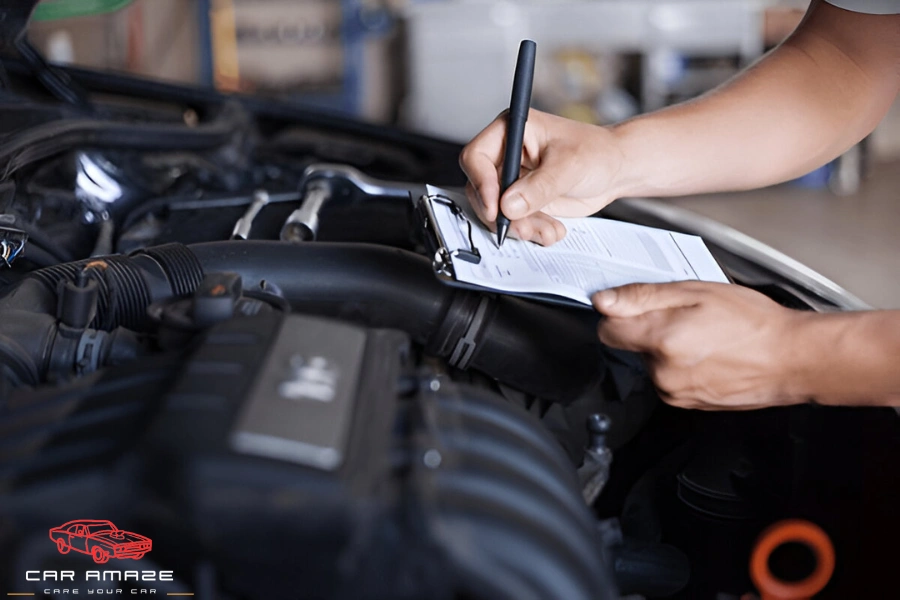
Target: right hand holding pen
point(568, 170)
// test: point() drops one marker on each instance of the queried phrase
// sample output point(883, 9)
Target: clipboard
point(443, 255)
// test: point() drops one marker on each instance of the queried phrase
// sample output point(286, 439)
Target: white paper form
point(595, 254)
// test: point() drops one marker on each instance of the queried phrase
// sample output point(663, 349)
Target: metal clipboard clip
point(443, 256)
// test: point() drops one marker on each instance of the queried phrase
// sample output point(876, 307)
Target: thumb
point(639, 298)
point(535, 190)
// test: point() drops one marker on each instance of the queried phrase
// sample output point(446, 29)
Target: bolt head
point(599, 423)
point(432, 459)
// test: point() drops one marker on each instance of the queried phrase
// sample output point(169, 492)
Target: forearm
point(802, 105)
point(847, 359)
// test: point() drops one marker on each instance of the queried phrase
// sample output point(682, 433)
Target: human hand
point(568, 170)
point(710, 346)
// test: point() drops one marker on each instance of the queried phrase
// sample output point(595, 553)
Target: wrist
point(813, 358)
point(626, 178)
point(633, 145)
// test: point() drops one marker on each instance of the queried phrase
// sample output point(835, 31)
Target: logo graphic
point(313, 379)
point(101, 539)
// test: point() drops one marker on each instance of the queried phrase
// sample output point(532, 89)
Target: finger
point(684, 403)
point(529, 194)
point(691, 403)
point(635, 334)
point(480, 160)
point(670, 380)
point(477, 204)
point(534, 140)
point(523, 229)
point(547, 230)
point(557, 172)
point(639, 298)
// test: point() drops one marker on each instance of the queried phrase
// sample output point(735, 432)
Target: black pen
point(519, 103)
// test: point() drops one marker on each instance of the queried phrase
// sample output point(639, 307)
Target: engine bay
point(220, 328)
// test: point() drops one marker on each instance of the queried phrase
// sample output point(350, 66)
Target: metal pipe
point(243, 226)
point(302, 225)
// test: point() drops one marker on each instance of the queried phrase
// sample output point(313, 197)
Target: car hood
point(14, 18)
point(122, 537)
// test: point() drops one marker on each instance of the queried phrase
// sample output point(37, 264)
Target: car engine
point(220, 328)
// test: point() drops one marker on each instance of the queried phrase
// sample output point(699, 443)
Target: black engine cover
point(253, 449)
point(301, 457)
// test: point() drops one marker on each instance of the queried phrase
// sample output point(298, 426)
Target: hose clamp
point(465, 347)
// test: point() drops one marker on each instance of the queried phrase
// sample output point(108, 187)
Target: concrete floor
point(852, 240)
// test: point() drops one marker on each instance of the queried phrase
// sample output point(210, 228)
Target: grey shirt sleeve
point(872, 7)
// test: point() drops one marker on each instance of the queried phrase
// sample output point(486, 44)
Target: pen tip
point(502, 230)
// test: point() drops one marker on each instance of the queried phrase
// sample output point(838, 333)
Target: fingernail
point(515, 204)
point(607, 298)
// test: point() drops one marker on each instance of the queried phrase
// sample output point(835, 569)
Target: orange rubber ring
point(794, 530)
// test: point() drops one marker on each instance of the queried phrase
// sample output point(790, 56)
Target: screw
point(432, 459)
point(598, 426)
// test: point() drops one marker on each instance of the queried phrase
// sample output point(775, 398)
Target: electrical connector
point(12, 243)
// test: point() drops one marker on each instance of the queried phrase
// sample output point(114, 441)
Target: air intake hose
point(549, 352)
point(38, 336)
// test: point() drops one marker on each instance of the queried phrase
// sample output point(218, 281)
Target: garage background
point(444, 68)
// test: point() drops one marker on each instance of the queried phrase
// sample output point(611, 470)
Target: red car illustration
point(101, 539)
